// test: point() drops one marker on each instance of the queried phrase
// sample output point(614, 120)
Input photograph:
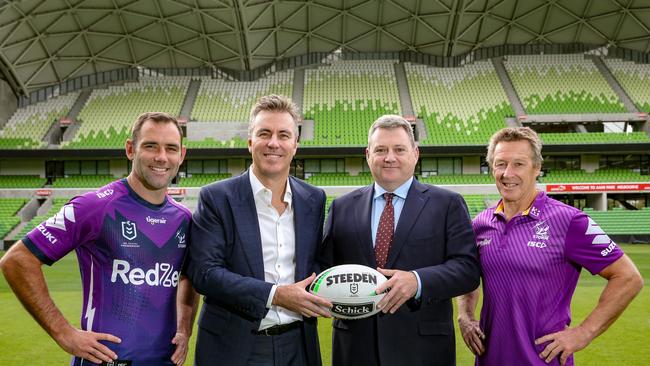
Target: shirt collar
point(400, 192)
point(534, 210)
point(259, 189)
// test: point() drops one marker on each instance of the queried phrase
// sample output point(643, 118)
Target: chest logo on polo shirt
point(541, 235)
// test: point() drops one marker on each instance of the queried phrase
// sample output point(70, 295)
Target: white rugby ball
point(351, 290)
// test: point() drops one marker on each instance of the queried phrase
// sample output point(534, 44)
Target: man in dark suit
point(252, 238)
point(420, 237)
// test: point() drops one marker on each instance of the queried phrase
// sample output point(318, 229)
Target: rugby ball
point(351, 290)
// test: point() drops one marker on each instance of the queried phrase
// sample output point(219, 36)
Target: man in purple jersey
point(531, 249)
point(130, 239)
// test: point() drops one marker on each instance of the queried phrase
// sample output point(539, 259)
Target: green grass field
point(21, 339)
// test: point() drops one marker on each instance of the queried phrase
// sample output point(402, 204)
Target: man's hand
point(401, 286)
point(86, 345)
point(472, 335)
point(294, 297)
point(563, 344)
point(181, 341)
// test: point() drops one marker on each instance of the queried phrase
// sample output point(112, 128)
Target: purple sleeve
point(589, 246)
point(71, 227)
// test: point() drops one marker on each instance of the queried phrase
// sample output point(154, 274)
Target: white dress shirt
point(278, 248)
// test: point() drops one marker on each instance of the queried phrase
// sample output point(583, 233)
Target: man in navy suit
point(254, 240)
point(420, 237)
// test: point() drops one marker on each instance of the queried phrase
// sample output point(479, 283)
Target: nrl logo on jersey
point(129, 231)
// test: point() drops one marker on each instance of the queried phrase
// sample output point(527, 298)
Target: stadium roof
point(46, 42)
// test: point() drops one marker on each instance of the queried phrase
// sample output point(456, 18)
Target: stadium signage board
point(606, 187)
point(43, 192)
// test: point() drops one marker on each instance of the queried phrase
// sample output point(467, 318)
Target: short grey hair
point(390, 121)
point(275, 103)
point(509, 134)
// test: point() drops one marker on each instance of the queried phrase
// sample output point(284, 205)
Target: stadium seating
point(556, 84)
point(83, 181)
point(57, 203)
point(461, 105)
point(210, 143)
point(21, 181)
point(598, 176)
point(634, 79)
point(594, 138)
point(199, 180)
point(478, 202)
point(459, 179)
point(340, 179)
point(345, 97)
point(8, 209)
point(107, 117)
point(231, 101)
point(27, 126)
point(620, 221)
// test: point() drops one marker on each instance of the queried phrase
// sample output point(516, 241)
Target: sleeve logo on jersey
point(58, 221)
point(104, 193)
point(162, 274)
point(600, 237)
point(128, 230)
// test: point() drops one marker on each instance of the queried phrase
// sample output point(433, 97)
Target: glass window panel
point(71, 167)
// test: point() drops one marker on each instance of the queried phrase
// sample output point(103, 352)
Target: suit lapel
point(415, 202)
point(302, 204)
point(362, 214)
point(247, 225)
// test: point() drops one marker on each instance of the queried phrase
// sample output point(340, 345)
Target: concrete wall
point(589, 162)
point(15, 166)
point(8, 102)
point(354, 165)
point(471, 165)
point(236, 166)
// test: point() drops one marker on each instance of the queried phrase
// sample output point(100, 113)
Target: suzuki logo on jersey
point(58, 221)
point(162, 274)
point(48, 235)
point(128, 230)
point(600, 237)
point(155, 220)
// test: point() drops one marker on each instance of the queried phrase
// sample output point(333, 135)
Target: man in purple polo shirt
point(531, 250)
point(130, 238)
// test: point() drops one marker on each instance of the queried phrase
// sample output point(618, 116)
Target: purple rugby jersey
point(530, 268)
point(130, 254)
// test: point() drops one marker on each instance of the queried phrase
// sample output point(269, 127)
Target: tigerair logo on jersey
point(162, 274)
point(156, 220)
point(600, 238)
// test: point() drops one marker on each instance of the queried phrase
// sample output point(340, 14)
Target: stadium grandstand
point(74, 75)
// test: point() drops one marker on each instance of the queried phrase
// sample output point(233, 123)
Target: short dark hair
point(157, 117)
point(275, 103)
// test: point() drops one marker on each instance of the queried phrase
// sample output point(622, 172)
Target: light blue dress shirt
point(378, 204)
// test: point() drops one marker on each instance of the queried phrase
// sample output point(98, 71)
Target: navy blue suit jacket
point(434, 237)
point(226, 265)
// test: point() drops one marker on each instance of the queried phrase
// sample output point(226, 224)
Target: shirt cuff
point(419, 293)
point(269, 302)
